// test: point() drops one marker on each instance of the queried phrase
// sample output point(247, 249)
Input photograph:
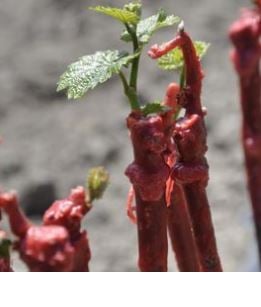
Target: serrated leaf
point(147, 27)
point(91, 70)
point(124, 15)
point(174, 59)
point(154, 108)
point(135, 7)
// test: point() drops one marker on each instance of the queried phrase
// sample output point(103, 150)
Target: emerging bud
point(97, 182)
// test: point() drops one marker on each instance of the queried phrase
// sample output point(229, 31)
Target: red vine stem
point(179, 221)
point(245, 35)
point(148, 175)
point(181, 234)
point(191, 171)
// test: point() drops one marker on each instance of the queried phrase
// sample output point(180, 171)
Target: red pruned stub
point(7, 198)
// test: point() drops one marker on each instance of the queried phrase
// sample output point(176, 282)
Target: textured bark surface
point(148, 174)
point(152, 234)
point(181, 233)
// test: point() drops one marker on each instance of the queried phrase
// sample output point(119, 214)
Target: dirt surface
point(49, 143)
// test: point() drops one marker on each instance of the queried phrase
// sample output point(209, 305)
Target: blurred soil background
point(50, 143)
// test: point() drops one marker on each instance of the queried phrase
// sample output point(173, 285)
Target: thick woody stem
point(181, 233)
point(195, 192)
point(148, 175)
point(179, 220)
point(152, 234)
point(245, 35)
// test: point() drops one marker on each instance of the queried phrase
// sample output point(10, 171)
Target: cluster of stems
point(245, 35)
point(169, 174)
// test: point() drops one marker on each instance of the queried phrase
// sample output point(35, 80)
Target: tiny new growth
point(245, 35)
point(169, 172)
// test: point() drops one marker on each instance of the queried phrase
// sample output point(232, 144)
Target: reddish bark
point(69, 214)
point(191, 169)
point(181, 233)
point(57, 246)
point(46, 249)
point(148, 175)
point(152, 234)
point(245, 35)
point(179, 220)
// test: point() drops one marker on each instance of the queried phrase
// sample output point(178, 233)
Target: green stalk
point(131, 95)
point(135, 63)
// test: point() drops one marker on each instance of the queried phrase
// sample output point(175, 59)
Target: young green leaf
point(154, 108)
point(135, 7)
point(91, 70)
point(174, 59)
point(124, 15)
point(147, 27)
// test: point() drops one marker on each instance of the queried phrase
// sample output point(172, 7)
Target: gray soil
point(50, 143)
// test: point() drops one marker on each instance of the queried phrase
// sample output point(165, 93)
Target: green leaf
point(174, 59)
point(154, 108)
point(124, 15)
point(134, 7)
point(147, 27)
point(97, 182)
point(91, 70)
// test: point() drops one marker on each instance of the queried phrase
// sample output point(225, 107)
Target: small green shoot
point(147, 27)
point(97, 182)
point(92, 70)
